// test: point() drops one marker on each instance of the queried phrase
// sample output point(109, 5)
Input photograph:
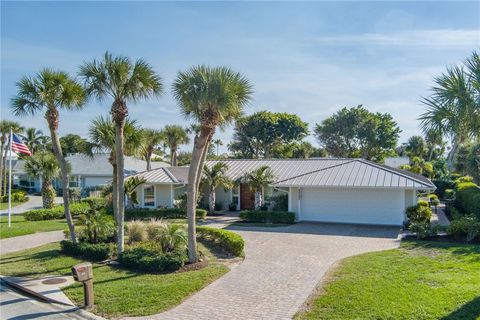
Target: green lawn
point(420, 280)
point(117, 292)
point(21, 227)
point(4, 205)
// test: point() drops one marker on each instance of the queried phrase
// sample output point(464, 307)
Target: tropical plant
point(97, 225)
point(215, 177)
point(136, 231)
point(51, 91)
point(43, 165)
point(151, 139)
point(416, 147)
point(73, 143)
point(131, 185)
point(171, 236)
point(212, 97)
point(435, 144)
point(5, 127)
point(35, 140)
point(174, 136)
point(257, 180)
point(217, 143)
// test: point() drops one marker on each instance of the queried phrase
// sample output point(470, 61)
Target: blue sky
point(309, 58)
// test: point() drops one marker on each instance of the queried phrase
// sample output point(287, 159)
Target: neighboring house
point(86, 172)
point(396, 162)
point(325, 189)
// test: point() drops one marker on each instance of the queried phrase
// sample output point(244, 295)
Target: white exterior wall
point(293, 201)
point(163, 195)
point(223, 197)
point(410, 198)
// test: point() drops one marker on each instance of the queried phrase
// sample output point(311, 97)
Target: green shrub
point(171, 237)
point(432, 196)
point(467, 198)
point(449, 194)
point(56, 212)
point(442, 185)
point(150, 258)
point(424, 229)
point(168, 213)
point(423, 203)
point(419, 213)
point(228, 240)
point(96, 226)
point(19, 196)
point(95, 202)
point(88, 251)
point(268, 216)
point(280, 202)
point(463, 179)
point(466, 227)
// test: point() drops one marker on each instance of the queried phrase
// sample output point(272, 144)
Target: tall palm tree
point(175, 135)
point(123, 81)
point(50, 91)
point(212, 97)
point(215, 177)
point(43, 165)
point(5, 126)
point(257, 180)
point(217, 143)
point(34, 139)
point(152, 138)
point(416, 146)
point(435, 144)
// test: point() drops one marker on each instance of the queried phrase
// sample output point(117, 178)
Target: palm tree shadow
point(468, 311)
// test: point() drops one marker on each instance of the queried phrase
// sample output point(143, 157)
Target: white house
point(325, 189)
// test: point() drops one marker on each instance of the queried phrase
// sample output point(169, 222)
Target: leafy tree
point(435, 144)
point(124, 81)
point(257, 180)
point(73, 143)
point(453, 108)
point(215, 177)
point(50, 91)
point(467, 160)
point(212, 97)
point(356, 132)
point(44, 165)
point(184, 158)
point(303, 150)
point(5, 127)
point(257, 135)
point(175, 135)
point(416, 147)
point(152, 139)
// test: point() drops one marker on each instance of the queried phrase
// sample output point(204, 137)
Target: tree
point(303, 150)
point(5, 127)
point(51, 91)
point(217, 143)
point(152, 138)
point(122, 80)
point(453, 108)
point(257, 135)
point(43, 165)
point(35, 140)
point(257, 180)
point(215, 177)
point(73, 143)
point(212, 97)
point(175, 135)
point(435, 144)
point(467, 160)
point(416, 147)
point(357, 132)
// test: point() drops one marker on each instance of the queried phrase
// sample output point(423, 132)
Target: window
point(149, 196)
point(235, 195)
point(73, 183)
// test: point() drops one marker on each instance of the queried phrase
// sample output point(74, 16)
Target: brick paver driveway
point(281, 269)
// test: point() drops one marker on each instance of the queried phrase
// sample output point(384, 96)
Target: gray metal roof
point(319, 172)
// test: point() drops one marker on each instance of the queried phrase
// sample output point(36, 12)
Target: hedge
point(467, 228)
point(88, 251)
point(442, 185)
point(168, 213)
point(95, 202)
point(268, 216)
point(228, 240)
point(56, 212)
point(467, 198)
point(151, 260)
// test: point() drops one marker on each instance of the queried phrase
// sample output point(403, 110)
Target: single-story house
point(320, 189)
point(86, 172)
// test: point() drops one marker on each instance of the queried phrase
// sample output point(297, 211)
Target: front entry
point(247, 197)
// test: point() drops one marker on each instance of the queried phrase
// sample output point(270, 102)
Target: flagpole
point(10, 183)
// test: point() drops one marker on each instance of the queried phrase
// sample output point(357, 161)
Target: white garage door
point(353, 206)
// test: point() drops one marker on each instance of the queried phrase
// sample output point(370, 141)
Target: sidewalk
point(34, 202)
point(29, 241)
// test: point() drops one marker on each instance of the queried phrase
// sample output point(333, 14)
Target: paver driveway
point(282, 267)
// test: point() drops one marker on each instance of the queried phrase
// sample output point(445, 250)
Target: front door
point(247, 197)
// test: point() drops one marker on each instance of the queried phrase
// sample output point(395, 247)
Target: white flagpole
point(10, 183)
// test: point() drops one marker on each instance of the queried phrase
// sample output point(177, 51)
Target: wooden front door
point(247, 197)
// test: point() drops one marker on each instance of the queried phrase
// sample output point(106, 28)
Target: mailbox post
point(83, 273)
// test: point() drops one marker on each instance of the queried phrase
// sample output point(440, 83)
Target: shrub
point(280, 202)
point(423, 203)
point(419, 213)
point(171, 237)
point(466, 227)
point(268, 216)
point(88, 251)
point(135, 231)
point(467, 198)
point(151, 228)
point(95, 202)
point(168, 213)
point(432, 196)
point(19, 196)
point(424, 229)
point(56, 212)
point(463, 179)
point(449, 194)
point(148, 257)
point(97, 226)
point(228, 240)
point(442, 185)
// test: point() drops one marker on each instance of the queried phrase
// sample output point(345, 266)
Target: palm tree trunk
point(258, 199)
point(451, 155)
point(47, 200)
point(173, 157)
point(119, 157)
point(149, 160)
point(211, 201)
point(115, 192)
point(52, 118)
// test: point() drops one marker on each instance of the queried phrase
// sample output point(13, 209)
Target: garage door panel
point(365, 206)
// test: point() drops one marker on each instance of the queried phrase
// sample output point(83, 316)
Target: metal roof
point(319, 172)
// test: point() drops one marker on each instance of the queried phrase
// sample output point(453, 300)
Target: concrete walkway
point(282, 267)
point(29, 241)
point(34, 202)
point(439, 216)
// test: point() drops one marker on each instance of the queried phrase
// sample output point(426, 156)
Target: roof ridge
point(318, 170)
point(286, 159)
point(169, 174)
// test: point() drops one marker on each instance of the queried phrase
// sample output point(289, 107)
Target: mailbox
point(82, 272)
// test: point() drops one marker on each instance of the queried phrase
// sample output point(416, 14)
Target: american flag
point(19, 146)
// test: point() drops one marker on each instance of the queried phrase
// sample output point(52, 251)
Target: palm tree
point(51, 90)
point(215, 177)
point(5, 127)
point(416, 146)
point(217, 143)
point(43, 165)
point(34, 139)
point(175, 135)
point(152, 138)
point(435, 144)
point(257, 180)
point(123, 81)
point(212, 97)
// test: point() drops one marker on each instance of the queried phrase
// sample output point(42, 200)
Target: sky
point(307, 58)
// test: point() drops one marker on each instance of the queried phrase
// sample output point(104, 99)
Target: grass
point(21, 227)
point(118, 292)
point(4, 205)
point(420, 280)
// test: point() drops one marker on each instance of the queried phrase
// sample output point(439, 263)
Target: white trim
point(289, 198)
point(299, 208)
point(171, 196)
point(355, 187)
point(154, 196)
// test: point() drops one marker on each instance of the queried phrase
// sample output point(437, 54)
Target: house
point(322, 189)
point(86, 172)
